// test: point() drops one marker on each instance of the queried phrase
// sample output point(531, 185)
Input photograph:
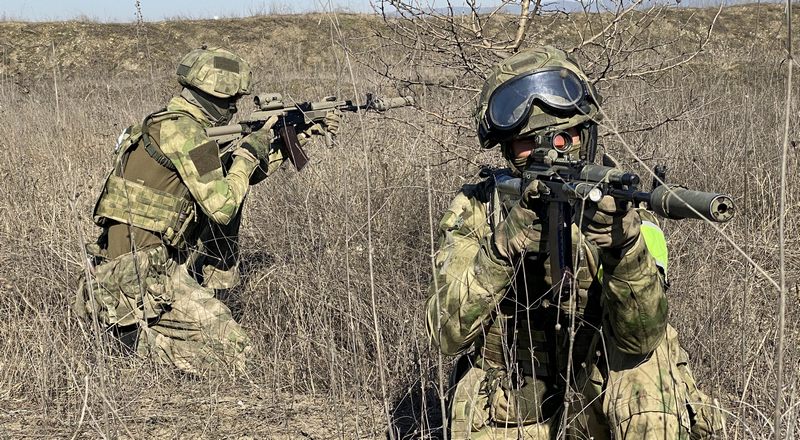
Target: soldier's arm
point(269, 165)
point(469, 277)
point(634, 292)
point(275, 159)
point(196, 159)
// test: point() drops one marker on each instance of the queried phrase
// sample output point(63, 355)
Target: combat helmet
point(534, 93)
point(215, 71)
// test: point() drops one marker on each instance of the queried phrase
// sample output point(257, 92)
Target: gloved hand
point(256, 145)
point(328, 128)
point(521, 229)
point(609, 227)
point(333, 122)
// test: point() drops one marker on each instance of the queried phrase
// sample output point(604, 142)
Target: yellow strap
point(656, 244)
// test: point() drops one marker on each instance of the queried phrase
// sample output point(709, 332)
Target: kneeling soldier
point(601, 364)
point(170, 212)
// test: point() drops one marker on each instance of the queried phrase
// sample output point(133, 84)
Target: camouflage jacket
point(142, 196)
point(197, 161)
point(478, 298)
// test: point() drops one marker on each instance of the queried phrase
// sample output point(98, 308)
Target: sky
point(154, 10)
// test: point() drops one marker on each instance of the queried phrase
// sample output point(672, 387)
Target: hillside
point(31, 50)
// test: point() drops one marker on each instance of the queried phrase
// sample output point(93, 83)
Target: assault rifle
point(567, 182)
point(294, 118)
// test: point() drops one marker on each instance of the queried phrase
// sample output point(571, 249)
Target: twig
point(85, 405)
point(782, 227)
point(440, 364)
point(88, 274)
point(607, 123)
point(370, 243)
point(55, 83)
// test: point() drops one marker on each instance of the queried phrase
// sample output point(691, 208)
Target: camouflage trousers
point(630, 397)
point(179, 322)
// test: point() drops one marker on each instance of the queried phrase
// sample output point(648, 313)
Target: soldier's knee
point(201, 312)
point(215, 317)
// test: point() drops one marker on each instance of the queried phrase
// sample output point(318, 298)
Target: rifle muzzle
point(383, 104)
point(676, 202)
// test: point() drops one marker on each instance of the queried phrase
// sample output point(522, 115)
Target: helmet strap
point(589, 142)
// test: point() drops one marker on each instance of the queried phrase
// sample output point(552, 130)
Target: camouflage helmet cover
point(215, 71)
point(540, 117)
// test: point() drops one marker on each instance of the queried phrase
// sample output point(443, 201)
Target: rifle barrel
point(676, 202)
point(669, 201)
point(508, 184)
point(383, 104)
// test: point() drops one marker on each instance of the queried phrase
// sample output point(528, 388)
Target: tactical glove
point(610, 226)
point(328, 128)
point(521, 230)
point(333, 122)
point(257, 143)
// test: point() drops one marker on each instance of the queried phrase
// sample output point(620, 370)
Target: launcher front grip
point(673, 201)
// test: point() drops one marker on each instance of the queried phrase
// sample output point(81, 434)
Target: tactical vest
point(529, 332)
point(132, 203)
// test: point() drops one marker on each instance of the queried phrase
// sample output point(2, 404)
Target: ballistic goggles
point(557, 88)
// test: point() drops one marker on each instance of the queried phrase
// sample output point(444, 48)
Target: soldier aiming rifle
point(550, 280)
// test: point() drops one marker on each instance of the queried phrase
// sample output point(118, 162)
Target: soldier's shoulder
point(181, 133)
point(467, 209)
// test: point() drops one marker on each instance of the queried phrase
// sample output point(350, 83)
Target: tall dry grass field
point(310, 296)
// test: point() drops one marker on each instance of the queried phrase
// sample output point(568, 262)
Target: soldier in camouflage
point(625, 376)
point(170, 211)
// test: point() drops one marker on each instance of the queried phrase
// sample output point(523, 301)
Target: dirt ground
point(197, 413)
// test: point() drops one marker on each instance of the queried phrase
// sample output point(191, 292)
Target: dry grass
point(305, 299)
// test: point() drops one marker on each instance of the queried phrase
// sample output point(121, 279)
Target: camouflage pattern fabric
point(217, 261)
point(215, 71)
point(180, 323)
point(640, 386)
point(147, 208)
point(197, 334)
point(196, 158)
point(141, 279)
